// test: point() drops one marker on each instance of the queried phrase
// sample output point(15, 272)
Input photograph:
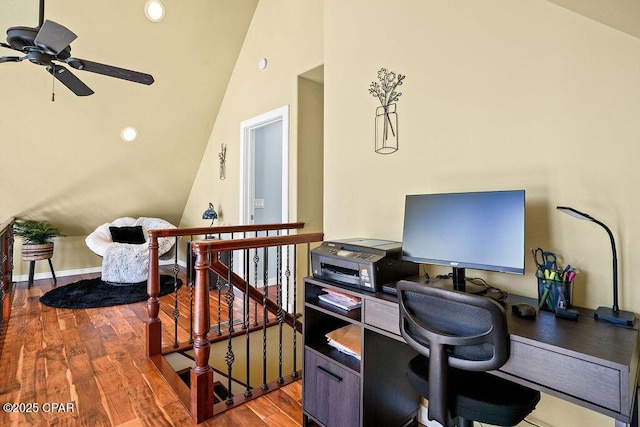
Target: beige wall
point(310, 152)
point(64, 161)
point(498, 95)
point(289, 34)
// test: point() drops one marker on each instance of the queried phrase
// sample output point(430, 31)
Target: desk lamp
point(613, 314)
point(210, 213)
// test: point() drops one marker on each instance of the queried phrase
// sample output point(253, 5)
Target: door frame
point(246, 162)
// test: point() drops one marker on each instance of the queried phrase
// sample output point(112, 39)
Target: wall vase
point(223, 170)
point(386, 129)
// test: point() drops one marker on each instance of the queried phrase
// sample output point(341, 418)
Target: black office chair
point(459, 337)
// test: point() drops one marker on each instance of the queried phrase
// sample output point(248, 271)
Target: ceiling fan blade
point(54, 37)
point(68, 79)
point(7, 46)
point(110, 70)
point(11, 59)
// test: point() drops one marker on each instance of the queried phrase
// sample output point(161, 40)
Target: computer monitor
point(477, 230)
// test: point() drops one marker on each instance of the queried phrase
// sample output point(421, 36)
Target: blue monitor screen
point(481, 230)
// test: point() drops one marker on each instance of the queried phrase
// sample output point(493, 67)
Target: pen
point(545, 295)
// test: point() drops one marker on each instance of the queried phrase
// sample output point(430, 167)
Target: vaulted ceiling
point(623, 15)
point(64, 161)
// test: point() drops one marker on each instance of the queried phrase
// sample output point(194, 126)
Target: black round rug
point(93, 293)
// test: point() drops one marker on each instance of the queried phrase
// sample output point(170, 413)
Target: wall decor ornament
point(222, 156)
point(386, 121)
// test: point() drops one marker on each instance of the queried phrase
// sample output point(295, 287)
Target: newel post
point(201, 374)
point(153, 330)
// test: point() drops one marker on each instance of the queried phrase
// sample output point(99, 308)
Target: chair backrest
point(451, 328)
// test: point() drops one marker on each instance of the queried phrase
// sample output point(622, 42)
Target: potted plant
point(37, 238)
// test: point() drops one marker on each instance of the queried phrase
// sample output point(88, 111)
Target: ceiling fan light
point(154, 10)
point(128, 134)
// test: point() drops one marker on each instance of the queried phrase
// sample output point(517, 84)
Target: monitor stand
point(460, 283)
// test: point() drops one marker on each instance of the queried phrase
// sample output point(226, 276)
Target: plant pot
point(37, 252)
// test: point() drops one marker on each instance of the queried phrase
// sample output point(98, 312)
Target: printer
point(365, 264)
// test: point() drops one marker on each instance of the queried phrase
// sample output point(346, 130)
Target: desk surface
point(589, 362)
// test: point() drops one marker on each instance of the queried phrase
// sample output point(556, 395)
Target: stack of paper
point(346, 339)
point(340, 299)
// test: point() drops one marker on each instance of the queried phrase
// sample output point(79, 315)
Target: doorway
point(264, 179)
point(264, 176)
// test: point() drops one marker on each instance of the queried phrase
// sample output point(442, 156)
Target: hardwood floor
point(88, 367)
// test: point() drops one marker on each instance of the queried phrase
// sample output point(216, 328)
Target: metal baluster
point(245, 300)
point(265, 283)
point(256, 260)
point(190, 283)
point(176, 310)
point(219, 289)
point(265, 264)
point(294, 374)
point(191, 280)
point(229, 358)
point(245, 312)
point(280, 312)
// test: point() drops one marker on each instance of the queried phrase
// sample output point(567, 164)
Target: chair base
point(478, 396)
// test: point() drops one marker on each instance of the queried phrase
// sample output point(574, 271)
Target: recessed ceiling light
point(128, 134)
point(154, 10)
point(262, 64)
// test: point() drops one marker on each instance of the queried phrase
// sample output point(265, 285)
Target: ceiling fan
point(48, 44)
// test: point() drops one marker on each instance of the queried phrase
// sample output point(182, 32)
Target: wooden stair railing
point(201, 381)
point(6, 271)
point(210, 265)
point(154, 325)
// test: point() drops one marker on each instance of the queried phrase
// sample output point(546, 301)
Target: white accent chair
point(126, 263)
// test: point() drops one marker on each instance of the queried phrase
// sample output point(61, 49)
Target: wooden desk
point(591, 363)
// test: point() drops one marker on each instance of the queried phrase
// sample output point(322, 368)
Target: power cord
point(496, 293)
point(425, 272)
point(490, 291)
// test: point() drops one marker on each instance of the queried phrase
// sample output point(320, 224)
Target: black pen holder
point(553, 294)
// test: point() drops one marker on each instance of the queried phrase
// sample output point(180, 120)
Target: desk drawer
point(331, 394)
point(384, 315)
point(579, 378)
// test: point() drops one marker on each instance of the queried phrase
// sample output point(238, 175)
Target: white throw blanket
point(126, 263)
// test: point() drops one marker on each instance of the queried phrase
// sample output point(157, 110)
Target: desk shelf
point(322, 348)
point(330, 397)
point(332, 379)
point(351, 316)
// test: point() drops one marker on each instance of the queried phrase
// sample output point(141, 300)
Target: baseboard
point(78, 271)
point(63, 273)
